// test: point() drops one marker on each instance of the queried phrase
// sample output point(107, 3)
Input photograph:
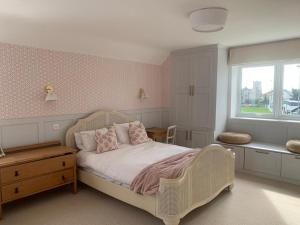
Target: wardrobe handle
point(190, 90)
point(193, 90)
point(261, 152)
point(186, 135)
point(16, 190)
point(16, 173)
point(63, 163)
point(191, 135)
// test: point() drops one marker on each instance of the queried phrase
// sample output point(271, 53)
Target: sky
point(265, 74)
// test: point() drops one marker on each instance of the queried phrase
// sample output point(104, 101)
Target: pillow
point(293, 146)
point(78, 141)
point(122, 132)
point(106, 141)
point(234, 138)
point(137, 133)
point(88, 139)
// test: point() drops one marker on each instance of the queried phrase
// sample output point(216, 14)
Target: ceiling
point(141, 30)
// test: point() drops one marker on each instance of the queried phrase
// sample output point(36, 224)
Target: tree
point(295, 94)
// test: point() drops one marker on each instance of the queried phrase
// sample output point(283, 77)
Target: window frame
point(277, 91)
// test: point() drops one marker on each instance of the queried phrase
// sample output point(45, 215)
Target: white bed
point(121, 166)
point(112, 172)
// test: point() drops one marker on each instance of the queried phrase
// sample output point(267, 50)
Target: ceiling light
point(208, 19)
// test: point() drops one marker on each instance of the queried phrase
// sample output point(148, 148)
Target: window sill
point(283, 120)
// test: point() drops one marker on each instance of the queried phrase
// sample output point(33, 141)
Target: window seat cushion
point(293, 146)
point(235, 138)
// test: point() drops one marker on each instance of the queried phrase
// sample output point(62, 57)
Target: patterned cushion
point(107, 141)
point(137, 133)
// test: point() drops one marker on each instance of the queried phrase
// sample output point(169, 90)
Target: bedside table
point(32, 169)
point(157, 133)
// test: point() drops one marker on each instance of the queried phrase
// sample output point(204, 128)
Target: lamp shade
point(208, 19)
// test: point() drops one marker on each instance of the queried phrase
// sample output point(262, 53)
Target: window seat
point(267, 160)
point(262, 146)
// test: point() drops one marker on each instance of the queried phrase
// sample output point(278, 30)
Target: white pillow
point(78, 141)
point(88, 139)
point(122, 132)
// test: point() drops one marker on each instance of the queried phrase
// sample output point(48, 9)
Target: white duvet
point(124, 164)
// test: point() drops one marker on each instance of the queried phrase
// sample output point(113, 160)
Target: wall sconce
point(142, 94)
point(50, 95)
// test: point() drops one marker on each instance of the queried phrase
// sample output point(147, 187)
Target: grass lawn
point(252, 109)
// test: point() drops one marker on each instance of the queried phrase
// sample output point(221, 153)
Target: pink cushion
point(137, 134)
point(107, 141)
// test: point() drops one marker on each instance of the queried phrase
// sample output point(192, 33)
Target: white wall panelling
point(268, 131)
point(16, 132)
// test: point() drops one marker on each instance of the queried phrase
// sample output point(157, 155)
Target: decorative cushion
point(234, 138)
point(106, 141)
point(122, 132)
point(293, 146)
point(137, 133)
point(88, 139)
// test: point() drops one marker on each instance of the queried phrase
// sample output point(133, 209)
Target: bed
point(210, 173)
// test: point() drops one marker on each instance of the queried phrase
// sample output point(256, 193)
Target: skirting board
point(26, 131)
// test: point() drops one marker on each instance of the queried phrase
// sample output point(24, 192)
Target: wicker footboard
point(211, 172)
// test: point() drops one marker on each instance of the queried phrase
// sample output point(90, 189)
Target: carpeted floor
point(253, 201)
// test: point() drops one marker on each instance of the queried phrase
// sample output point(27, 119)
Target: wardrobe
point(199, 94)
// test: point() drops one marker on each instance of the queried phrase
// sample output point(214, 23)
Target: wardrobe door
point(182, 90)
point(202, 76)
point(181, 137)
point(200, 139)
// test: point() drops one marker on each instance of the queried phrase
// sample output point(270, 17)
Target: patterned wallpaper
point(83, 83)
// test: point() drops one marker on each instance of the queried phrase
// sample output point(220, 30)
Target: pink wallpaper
point(83, 83)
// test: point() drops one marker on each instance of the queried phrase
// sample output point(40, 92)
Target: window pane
point(291, 90)
point(257, 91)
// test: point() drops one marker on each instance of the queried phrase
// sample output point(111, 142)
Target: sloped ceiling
point(141, 30)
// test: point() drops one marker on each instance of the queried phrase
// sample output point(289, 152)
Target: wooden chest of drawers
point(28, 172)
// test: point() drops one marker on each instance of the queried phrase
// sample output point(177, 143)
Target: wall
point(83, 84)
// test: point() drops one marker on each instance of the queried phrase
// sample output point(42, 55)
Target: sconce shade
point(51, 97)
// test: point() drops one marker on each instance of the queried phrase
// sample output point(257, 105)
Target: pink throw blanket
point(147, 181)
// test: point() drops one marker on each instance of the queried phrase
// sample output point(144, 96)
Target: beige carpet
point(253, 201)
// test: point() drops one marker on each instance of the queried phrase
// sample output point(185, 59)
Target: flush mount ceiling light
point(210, 19)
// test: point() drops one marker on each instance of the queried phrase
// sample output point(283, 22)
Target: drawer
point(291, 167)
point(16, 173)
point(263, 161)
point(34, 185)
point(239, 156)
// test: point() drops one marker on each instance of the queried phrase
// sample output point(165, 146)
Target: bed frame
point(210, 173)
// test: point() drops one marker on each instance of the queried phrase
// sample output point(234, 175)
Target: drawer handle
point(297, 157)
point(261, 152)
point(63, 177)
point(17, 173)
point(63, 163)
point(16, 190)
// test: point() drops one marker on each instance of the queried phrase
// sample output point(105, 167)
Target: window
point(257, 90)
point(268, 91)
point(291, 90)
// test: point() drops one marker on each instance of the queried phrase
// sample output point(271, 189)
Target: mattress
point(121, 166)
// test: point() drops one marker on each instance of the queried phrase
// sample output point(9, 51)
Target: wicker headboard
point(94, 121)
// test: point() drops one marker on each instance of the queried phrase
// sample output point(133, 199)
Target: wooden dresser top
point(15, 158)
